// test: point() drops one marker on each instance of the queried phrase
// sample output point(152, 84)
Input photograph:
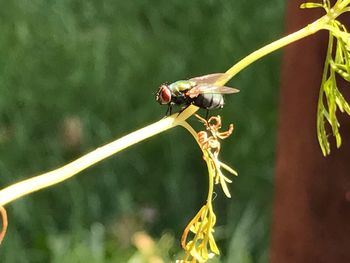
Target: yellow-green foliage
point(337, 64)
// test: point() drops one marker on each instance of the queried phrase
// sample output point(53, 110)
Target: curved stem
point(320, 106)
point(342, 5)
point(209, 205)
point(47, 179)
point(4, 223)
point(36, 183)
point(211, 182)
point(304, 32)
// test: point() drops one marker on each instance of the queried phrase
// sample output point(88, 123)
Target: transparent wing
point(208, 79)
point(215, 89)
point(207, 88)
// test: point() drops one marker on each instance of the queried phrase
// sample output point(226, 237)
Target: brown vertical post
point(311, 217)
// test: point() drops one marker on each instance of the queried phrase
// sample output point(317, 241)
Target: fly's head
point(163, 95)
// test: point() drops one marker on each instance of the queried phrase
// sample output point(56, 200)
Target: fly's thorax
point(209, 101)
point(178, 87)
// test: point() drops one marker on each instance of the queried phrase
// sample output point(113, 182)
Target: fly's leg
point(207, 115)
point(169, 110)
point(182, 109)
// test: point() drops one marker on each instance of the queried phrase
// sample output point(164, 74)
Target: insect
point(200, 91)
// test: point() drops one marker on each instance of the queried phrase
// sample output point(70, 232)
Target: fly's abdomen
point(209, 101)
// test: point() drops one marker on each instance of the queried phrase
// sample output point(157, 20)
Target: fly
point(200, 91)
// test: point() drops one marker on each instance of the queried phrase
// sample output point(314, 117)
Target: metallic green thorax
point(178, 87)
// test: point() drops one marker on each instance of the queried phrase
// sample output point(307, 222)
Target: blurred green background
point(75, 75)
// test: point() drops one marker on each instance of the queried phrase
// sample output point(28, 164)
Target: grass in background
point(77, 74)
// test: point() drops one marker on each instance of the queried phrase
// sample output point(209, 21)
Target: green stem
point(65, 172)
point(45, 180)
point(209, 204)
point(302, 33)
point(211, 182)
point(342, 5)
point(320, 106)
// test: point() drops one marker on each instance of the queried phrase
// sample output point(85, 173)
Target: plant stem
point(320, 106)
point(4, 223)
point(36, 183)
point(302, 33)
point(342, 5)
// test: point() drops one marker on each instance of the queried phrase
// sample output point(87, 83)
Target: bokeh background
point(75, 75)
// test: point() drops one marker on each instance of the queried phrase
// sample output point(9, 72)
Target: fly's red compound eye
point(164, 95)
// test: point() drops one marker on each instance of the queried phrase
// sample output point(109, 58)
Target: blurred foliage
point(77, 74)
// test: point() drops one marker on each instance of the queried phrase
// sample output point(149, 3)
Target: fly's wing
point(208, 79)
point(207, 88)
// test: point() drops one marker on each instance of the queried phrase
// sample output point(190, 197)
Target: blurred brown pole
point(311, 217)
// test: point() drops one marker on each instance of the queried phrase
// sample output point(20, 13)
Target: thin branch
point(4, 223)
point(256, 55)
point(36, 183)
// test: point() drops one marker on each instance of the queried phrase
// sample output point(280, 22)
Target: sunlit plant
point(336, 65)
point(202, 246)
point(198, 239)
